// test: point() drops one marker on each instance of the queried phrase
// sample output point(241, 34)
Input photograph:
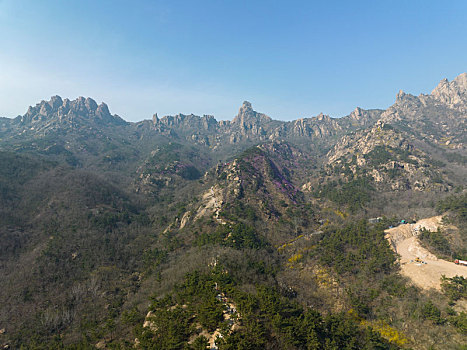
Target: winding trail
point(427, 275)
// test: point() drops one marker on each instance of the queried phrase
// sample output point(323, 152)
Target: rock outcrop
point(63, 113)
point(454, 93)
point(389, 157)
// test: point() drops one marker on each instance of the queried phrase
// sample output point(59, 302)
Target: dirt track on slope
point(404, 241)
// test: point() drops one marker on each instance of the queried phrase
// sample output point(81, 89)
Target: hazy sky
point(290, 59)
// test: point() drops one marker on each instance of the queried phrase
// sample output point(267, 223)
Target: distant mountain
point(251, 127)
point(65, 114)
point(444, 108)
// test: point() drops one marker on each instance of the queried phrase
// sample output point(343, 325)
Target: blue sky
point(291, 59)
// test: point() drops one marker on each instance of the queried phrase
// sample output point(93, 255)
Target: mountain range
point(105, 220)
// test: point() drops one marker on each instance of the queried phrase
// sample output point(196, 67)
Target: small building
point(375, 220)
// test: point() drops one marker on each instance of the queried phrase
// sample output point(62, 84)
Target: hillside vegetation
point(184, 231)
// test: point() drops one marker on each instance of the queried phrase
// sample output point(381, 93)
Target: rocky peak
point(461, 81)
point(63, 109)
point(405, 100)
point(155, 119)
point(323, 117)
point(55, 102)
point(360, 117)
point(452, 93)
point(84, 105)
point(102, 109)
point(356, 114)
point(246, 109)
point(400, 96)
point(247, 116)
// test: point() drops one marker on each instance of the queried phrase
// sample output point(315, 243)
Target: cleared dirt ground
point(425, 275)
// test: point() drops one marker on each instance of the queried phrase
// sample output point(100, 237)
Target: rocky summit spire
point(247, 116)
point(400, 95)
point(246, 109)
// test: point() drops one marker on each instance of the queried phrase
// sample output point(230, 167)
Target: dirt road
point(425, 275)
